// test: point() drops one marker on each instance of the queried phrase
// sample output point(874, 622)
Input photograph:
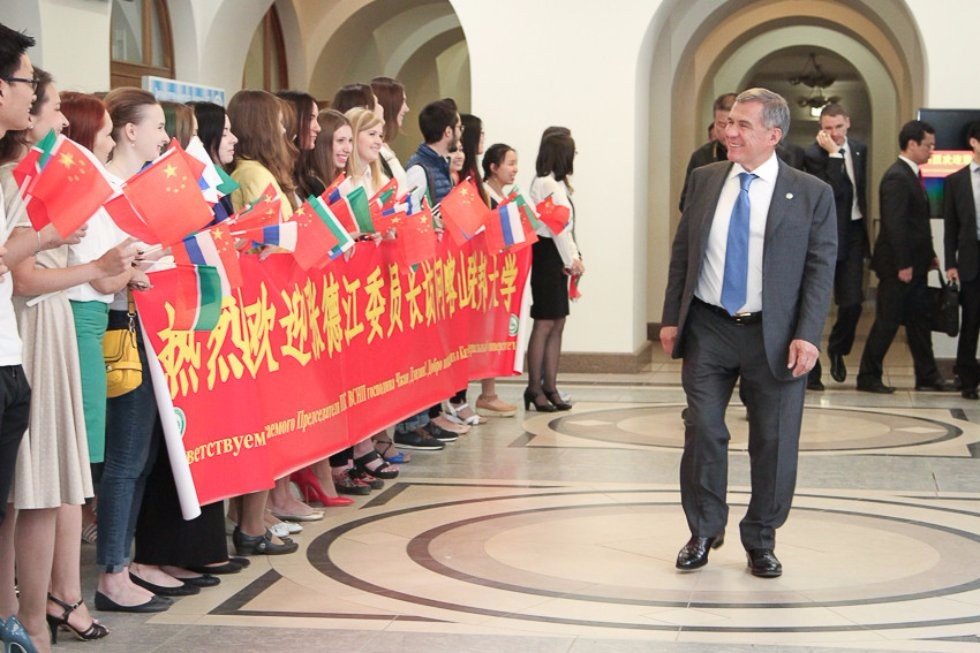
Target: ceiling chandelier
point(813, 77)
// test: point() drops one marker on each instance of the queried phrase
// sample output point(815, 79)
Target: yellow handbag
point(124, 372)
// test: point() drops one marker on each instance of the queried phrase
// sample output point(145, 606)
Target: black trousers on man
point(717, 353)
point(899, 303)
point(966, 348)
point(848, 294)
point(15, 409)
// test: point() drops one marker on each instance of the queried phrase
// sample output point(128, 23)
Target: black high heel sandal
point(538, 400)
point(94, 631)
point(556, 400)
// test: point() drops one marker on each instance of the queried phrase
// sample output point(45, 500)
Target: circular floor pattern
point(605, 559)
point(824, 429)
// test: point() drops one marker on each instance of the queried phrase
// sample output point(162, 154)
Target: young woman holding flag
point(555, 258)
point(263, 158)
point(52, 478)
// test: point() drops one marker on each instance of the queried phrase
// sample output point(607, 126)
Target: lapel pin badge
point(789, 196)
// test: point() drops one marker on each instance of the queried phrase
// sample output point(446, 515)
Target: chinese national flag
point(386, 195)
point(126, 218)
point(68, 189)
point(168, 198)
point(554, 216)
point(463, 211)
point(314, 241)
point(265, 211)
point(416, 237)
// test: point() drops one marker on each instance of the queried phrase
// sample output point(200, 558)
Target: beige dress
point(52, 462)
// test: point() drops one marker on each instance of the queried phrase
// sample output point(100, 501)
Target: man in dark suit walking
point(902, 258)
point(961, 199)
point(842, 162)
point(714, 150)
point(748, 291)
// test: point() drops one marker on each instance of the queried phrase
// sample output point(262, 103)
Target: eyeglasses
point(34, 81)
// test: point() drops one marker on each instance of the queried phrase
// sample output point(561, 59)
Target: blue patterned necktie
point(735, 283)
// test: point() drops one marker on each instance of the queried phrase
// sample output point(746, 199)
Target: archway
point(421, 45)
point(723, 41)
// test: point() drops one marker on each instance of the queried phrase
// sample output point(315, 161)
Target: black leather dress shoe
point(838, 371)
point(815, 384)
point(935, 386)
point(970, 393)
point(876, 387)
point(764, 563)
point(694, 554)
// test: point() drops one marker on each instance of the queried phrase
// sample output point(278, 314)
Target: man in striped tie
point(748, 290)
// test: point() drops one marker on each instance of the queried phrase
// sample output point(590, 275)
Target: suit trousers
point(966, 348)
point(848, 290)
point(900, 302)
point(717, 353)
point(15, 410)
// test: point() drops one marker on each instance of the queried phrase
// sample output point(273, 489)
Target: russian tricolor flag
point(212, 247)
point(510, 224)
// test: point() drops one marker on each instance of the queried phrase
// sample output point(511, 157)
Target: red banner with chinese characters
point(304, 364)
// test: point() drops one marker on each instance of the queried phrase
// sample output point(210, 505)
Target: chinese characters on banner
point(304, 364)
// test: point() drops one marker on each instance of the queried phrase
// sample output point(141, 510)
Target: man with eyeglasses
point(17, 89)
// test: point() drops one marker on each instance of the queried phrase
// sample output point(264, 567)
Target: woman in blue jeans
point(132, 431)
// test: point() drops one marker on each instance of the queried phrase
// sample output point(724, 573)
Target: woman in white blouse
point(555, 258)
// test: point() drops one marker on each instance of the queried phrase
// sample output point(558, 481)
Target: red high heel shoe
point(309, 486)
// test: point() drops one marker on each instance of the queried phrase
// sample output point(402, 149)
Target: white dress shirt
point(912, 164)
point(541, 188)
point(848, 157)
point(713, 269)
point(975, 182)
point(10, 344)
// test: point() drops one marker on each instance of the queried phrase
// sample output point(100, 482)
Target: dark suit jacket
point(798, 260)
point(710, 152)
point(960, 218)
point(791, 155)
point(905, 239)
point(834, 171)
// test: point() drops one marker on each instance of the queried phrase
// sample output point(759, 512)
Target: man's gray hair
point(775, 111)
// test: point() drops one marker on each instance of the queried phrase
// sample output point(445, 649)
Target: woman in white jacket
point(555, 259)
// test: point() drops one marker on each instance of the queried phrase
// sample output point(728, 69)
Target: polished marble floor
point(557, 533)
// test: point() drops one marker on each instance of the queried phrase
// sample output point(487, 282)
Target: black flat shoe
point(764, 563)
point(838, 371)
point(694, 554)
point(556, 400)
point(157, 604)
point(815, 384)
point(539, 401)
point(162, 590)
point(228, 567)
point(970, 394)
point(877, 387)
point(248, 545)
point(204, 580)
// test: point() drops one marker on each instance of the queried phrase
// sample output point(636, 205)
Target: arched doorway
point(723, 45)
point(421, 44)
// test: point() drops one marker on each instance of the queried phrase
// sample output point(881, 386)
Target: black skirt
point(549, 283)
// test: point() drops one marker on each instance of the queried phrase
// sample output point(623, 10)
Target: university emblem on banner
point(181, 421)
point(512, 325)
